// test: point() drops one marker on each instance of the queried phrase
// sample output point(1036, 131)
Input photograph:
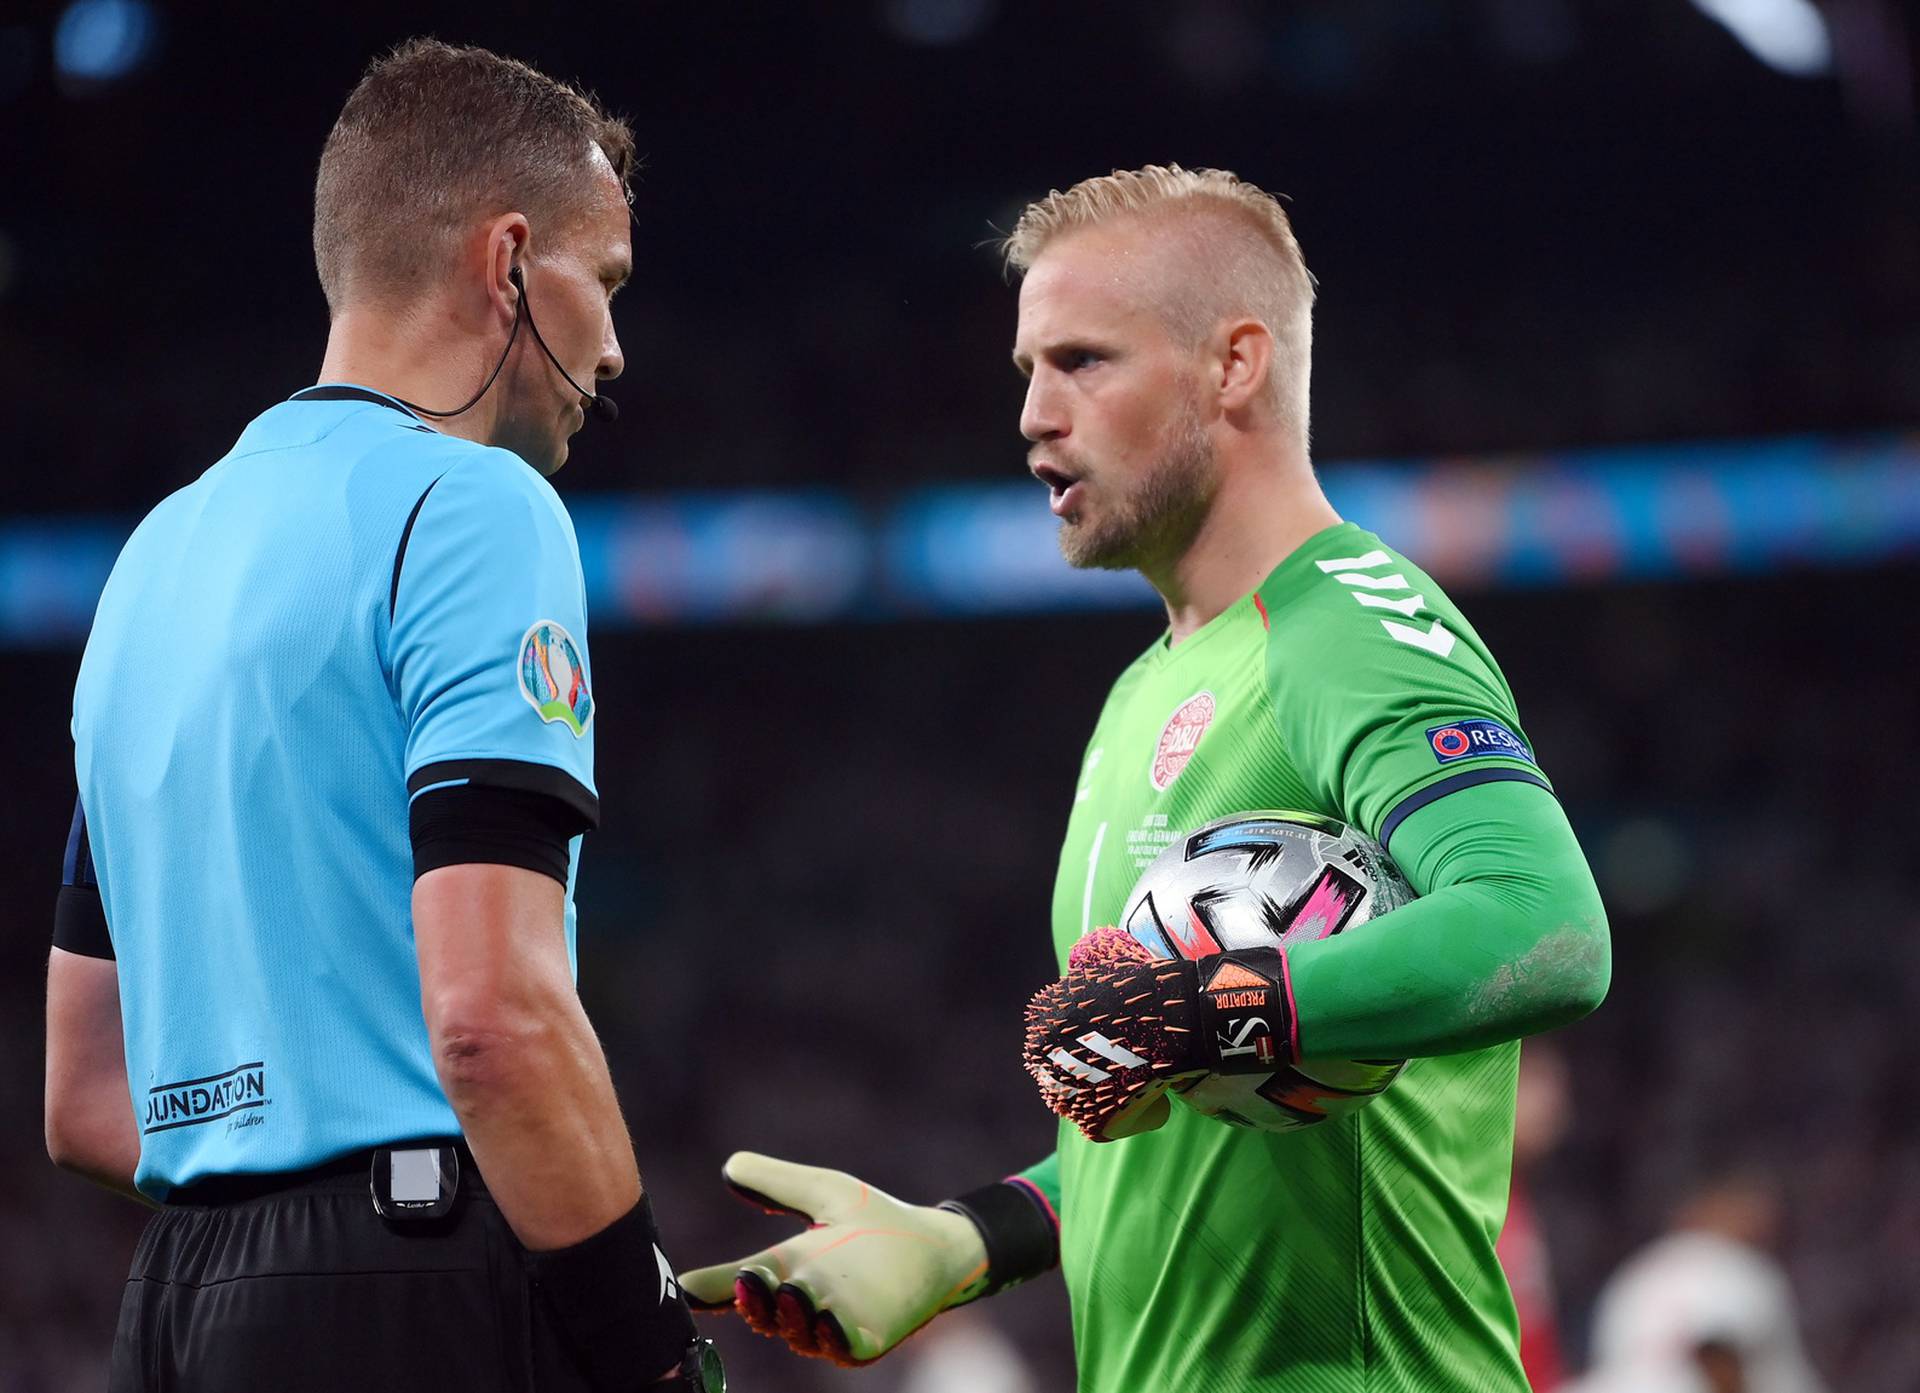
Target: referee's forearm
point(515, 1054)
point(538, 1109)
point(90, 1124)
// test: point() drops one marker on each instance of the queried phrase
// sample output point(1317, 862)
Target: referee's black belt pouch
point(427, 1184)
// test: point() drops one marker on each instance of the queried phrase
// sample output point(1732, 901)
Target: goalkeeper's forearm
point(1509, 937)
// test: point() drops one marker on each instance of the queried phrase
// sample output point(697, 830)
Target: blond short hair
point(1238, 256)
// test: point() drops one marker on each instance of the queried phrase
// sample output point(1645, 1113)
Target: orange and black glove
point(1107, 1041)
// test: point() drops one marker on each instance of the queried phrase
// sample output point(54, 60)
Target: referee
point(312, 985)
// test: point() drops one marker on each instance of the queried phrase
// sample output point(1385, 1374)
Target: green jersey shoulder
point(1384, 694)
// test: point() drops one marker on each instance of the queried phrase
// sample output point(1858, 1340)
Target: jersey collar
point(346, 391)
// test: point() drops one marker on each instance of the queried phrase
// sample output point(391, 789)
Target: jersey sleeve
point(488, 638)
point(1043, 1179)
point(1508, 937)
point(1384, 716)
point(79, 917)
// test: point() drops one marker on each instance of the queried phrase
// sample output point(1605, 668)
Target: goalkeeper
point(1165, 327)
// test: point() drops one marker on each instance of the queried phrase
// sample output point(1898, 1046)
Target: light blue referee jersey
point(346, 610)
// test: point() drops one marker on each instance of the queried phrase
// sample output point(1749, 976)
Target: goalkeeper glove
point(869, 1270)
point(1108, 1040)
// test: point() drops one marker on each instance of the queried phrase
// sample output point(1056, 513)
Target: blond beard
point(1159, 518)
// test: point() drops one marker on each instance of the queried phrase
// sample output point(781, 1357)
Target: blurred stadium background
point(1619, 332)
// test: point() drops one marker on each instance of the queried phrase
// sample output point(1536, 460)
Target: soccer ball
point(1264, 880)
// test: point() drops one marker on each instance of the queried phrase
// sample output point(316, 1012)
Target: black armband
point(80, 922)
point(79, 917)
point(1018, 1227)
point(615, 1299)
point(467, 823)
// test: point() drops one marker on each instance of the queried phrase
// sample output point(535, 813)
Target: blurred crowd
point(1621, 228)
point(795, 819)
point(884, 378)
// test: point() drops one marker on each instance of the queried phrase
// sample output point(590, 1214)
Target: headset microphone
point(598, 405)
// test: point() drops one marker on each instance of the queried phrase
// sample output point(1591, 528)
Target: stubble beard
point(1157, 520)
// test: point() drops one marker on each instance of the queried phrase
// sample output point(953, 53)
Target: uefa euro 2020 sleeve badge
point(553, 678)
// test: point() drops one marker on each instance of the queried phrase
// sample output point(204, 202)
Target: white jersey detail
point(1354, 563)
point(1438, 640)
point(1396, 581)
point(1406, 606)
point(1093, 865)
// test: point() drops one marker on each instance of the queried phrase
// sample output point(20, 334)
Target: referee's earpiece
point(598, 405)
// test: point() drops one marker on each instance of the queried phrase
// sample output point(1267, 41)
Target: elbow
point(1561, 977)
point(484, 1049)
point(72, 1144)
point(63, 1147)
point(1581, 972)
point(1582, 995)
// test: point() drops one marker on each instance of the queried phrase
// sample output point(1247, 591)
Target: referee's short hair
point(435, 137)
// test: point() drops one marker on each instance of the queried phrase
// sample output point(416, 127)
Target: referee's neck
point(423, 356)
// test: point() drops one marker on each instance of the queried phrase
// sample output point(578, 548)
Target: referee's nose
point(612, 361)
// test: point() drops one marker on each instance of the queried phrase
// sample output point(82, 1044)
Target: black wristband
point(1019, 1230)
point(616, 1301)
point(1245, 1022)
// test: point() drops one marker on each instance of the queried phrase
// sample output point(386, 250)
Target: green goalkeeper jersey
point(1357, 1254)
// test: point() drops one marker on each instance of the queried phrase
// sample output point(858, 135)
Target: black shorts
point(307, 1289)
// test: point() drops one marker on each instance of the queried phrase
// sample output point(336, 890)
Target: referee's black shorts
point(303, 1288)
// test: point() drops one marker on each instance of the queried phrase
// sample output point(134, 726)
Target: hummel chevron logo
point(1354, 563)
point(1396, 581)
point(1436, 639)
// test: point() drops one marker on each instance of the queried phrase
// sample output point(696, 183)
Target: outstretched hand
point(868, 1271)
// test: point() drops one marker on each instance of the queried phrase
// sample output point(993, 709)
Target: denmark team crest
point(1179, 738)
point(553, 678)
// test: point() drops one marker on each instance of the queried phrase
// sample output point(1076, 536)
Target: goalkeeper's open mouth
point(1065, 488)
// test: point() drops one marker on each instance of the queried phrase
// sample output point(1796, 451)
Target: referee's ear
point(507, 239)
